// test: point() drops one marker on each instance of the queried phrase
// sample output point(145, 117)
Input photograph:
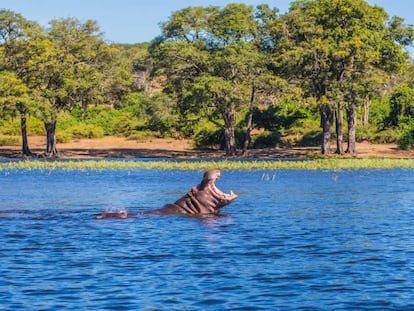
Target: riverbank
point(120, 147)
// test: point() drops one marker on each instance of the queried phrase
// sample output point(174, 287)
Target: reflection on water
point(294, 240)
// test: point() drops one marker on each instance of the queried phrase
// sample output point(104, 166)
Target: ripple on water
point(298, 240)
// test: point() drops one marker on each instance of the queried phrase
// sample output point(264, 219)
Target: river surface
point(293, 240)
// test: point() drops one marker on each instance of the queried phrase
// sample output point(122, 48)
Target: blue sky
point(132, 21)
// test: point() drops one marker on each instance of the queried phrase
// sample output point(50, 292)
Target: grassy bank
point(325, 164)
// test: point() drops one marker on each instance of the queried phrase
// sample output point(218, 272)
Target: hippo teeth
point(218, 191)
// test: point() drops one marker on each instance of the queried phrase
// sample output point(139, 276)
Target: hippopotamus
point(204, 199)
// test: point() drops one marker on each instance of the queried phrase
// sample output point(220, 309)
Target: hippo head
point(205, 199)
point(212, 196)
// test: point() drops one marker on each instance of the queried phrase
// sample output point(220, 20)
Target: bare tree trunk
point(51, 149)
point(365, 120)
point(326, 125)
point(247, 137)
point(23, 127)
point(338, 128)
point(351, 118)
point(229, 132)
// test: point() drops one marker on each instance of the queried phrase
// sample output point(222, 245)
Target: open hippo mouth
point(216, 191)
point(204, 199)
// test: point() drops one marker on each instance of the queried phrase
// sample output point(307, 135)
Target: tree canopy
point(232, 68)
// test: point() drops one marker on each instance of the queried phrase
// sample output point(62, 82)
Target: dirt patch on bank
point(120, 147)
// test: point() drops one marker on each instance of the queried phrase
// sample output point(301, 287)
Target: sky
point(135, 21)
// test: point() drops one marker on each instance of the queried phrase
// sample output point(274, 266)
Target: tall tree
point(14, 95)
point(16, 50)
point(208, 55)
point(332, 44)
point(71, 67)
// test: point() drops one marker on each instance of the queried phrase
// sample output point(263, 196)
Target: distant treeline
point(233, 77)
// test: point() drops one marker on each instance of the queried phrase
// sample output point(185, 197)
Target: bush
point(215, 139)
point(311, 138)
point(142, 136)
point(281, 117)
point(105, 118)
point(209, 139)
point(66, 121)
point(11, 127)
point(86, 131)
point(9, 141)
point(127, 125)
point(266, 139)
point(370, 133)
point(407, 140)
point(63, 137)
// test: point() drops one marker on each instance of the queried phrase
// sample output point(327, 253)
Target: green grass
point(317, 164)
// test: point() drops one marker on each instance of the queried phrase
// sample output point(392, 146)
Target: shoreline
point(120, 147)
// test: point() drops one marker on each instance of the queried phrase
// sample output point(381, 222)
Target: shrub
point(142, 136)
point(86, 131)
point(35, 127)
point(209, 139)
point(406, 140)
point(311, 138)
point(63, 136)
point(266, 139)
point(105, 118)
point(215, 139)
point(372, 134)
point(280, 117)
point(66, 121)
point(127, 125)
point(9, 141)
point(11, 127)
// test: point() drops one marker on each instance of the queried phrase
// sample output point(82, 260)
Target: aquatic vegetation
point(314, 164)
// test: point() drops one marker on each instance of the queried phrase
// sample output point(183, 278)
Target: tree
point(332, 46)
point(15, 52)
point(14, 95)
point(72, 65)
point(208, 56)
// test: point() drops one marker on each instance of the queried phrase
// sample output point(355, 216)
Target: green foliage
point(379, 110)
point(214, 138)
point(9, 141)
point(105, 118)
point(266, 139)
point(406, 139)
point(401, 105)
point(13, 92)
point(11, 127)
point(280, 117)
point(143, 136)
point(304, 126)
point(35, 127)
point(68, 120)
point(311, 138)
point(372, 134)
point(86, 131)
point(63, 136)
point(212, 62)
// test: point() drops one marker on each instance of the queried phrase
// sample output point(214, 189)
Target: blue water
point(294, 240)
